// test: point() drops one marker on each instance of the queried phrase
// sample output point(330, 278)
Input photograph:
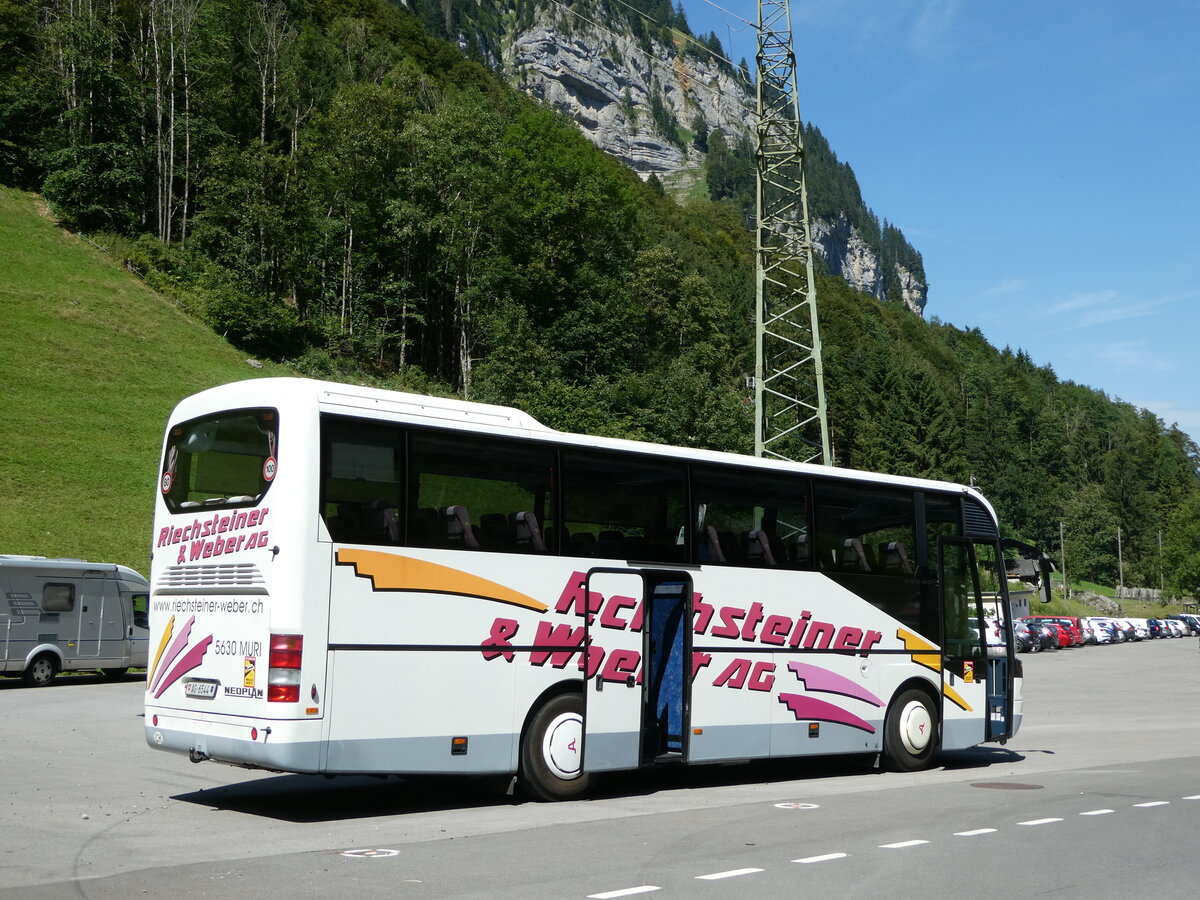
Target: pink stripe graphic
point(190, 660)
point(811, 709)
point(173, 651)
point(823, 681)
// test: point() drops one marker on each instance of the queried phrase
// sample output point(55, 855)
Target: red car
point(1074, 625)
point(1066, 637)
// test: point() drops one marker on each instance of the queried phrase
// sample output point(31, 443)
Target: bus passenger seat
point(458, 527)
point(554, 535)
point(527, 534)
point(895, 558)
point(496, 532)
point(583, 543)
point(716, 552)
point(758, 549)
point(779, 555)
point(609, 545)
point(854, 558)
point(635, 547)
point(424, 528)
point(801, 552)
point(382, 526)
point(345, 525)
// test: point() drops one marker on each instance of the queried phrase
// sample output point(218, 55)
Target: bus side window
point(623, 507)
point(361, 466)
point(747, 518)
point(478, 492)
point(863, 534)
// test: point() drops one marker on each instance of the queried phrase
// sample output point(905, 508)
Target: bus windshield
point(220, 461)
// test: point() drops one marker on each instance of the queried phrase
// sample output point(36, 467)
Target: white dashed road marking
point(733, 873)
point(825, 858)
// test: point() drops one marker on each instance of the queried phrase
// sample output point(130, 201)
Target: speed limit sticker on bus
point(269, 469)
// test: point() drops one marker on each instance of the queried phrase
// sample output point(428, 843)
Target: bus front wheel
point(552, 751)
point(910, 734)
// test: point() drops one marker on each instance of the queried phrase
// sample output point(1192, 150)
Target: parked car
point(1074, 625)
point(1187, 623)
point(993, 634)
point(1025, 638)
point(1049, 636)
point(1067, 636)
point(1103, 631)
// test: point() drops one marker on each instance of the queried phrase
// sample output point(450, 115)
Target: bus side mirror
point(1046, 568)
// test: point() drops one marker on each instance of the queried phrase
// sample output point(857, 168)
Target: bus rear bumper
point(276, 746)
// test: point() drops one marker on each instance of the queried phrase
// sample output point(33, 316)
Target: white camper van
point(69, 615)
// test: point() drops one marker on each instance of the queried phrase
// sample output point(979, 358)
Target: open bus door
point(976, 674)
point(637, 697)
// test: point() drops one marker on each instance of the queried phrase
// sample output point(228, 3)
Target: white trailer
point(70, 615)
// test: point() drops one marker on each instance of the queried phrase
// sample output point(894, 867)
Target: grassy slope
point(91, 363)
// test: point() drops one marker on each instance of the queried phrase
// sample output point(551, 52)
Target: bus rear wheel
point(551, 752)
point(41, 671)
point(910, 733)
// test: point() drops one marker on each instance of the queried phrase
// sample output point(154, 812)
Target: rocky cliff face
point(610, 88)
point(638, 100)
point(846, 253)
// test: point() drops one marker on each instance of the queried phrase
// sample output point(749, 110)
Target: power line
point(732, 15)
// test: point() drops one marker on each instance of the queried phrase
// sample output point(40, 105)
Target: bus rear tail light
point(283, 674)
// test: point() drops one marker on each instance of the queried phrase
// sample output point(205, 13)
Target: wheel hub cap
point(563, 744)
point(916, 727)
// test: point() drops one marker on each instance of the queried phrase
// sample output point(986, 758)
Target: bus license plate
point(200, 688)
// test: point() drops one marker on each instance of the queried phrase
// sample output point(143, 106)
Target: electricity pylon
point(789, 384)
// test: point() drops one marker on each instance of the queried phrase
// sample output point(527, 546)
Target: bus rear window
point(221, 461)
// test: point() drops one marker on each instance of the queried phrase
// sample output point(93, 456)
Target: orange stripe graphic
point(953, 696)
point(931, 660)
point(389, 572)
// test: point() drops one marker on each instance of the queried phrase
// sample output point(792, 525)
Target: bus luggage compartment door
point(638, 644)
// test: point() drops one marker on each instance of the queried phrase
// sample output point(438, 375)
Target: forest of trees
point(328, 184)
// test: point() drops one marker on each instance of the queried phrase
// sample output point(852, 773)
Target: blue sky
point(1044, 158)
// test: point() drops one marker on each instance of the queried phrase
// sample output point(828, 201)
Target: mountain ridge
point(649, 93)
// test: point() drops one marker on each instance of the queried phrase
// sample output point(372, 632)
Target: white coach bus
point(351, 580)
